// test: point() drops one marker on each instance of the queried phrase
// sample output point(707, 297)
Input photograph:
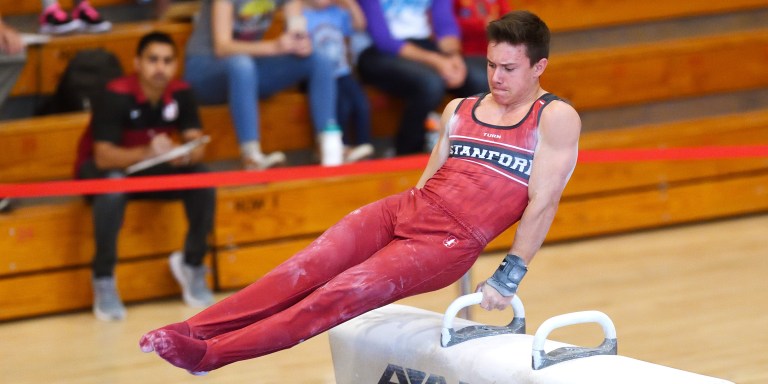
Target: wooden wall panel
point(52, 236)
point(237, 267)
point(70, 289)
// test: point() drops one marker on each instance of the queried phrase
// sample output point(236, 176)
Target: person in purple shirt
point(416, 55)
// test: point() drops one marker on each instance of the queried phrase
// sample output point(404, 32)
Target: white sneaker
point(54, 21)
point(357, 153)
point(107, 305)
point(90, 19)
point(261, 161)
point(194, 288)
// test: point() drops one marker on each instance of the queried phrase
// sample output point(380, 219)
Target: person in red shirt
point(473, 16)
point(139, 117)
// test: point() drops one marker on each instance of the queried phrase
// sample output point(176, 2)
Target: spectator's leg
point(477, 77)
point(10, 69)
point(207, 75)
point(199, 206)
point(281, 72)
point(322, 92)
point(242, 85)
point(353, 105)
point(344, 112)
point(108, 211)
point(361, 110)
point(422, 88)
point(216, 81)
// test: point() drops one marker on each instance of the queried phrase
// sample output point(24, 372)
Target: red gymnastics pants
point(397, 247)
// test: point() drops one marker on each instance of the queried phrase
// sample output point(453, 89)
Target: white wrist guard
point(508, 276)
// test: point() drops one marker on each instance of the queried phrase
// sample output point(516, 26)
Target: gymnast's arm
point(441, 150)
point(554, 162)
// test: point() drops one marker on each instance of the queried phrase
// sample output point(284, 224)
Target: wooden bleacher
point(35, 7)
point(601, 198)
point(49, 245)
point(46, 62)
point(559, 14)
point(596, 79)
point(259, 226)
point(642, 73)
point(569, 15)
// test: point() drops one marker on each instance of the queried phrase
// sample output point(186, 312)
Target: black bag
point(85, 76)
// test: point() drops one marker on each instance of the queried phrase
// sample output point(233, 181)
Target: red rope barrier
point(312, 172)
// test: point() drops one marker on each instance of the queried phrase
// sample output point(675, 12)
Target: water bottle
point(432, 131)
point(331, 146)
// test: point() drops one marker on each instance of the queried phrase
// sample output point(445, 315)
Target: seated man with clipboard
point(135, 129)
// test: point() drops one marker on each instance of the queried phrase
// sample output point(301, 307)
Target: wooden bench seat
point(570, 15)
point(598, 79)
point(286, 123)
point(59, 235)
point(258, 224)
point(44, 147)
point(46, 62)
point(47, 250)
point(35, 7)
point(661, 71)
point(49, 246)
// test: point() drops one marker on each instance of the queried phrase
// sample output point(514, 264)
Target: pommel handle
point(540, 359)
point(449, 336)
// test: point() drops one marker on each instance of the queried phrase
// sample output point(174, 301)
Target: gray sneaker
point(194, 288)
point(107, 305)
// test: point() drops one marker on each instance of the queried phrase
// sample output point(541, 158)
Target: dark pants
point(354, 111)
point(420, 86)
point(109, 209)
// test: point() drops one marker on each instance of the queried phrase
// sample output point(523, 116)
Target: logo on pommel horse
point(410, 376)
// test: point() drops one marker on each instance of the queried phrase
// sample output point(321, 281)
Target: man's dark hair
point(154, 37)
point(521, 27)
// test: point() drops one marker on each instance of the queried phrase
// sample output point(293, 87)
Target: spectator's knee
point(431, 89)
point(321, 64)
point(240, 65)
point(109, 199)
point(114, 174)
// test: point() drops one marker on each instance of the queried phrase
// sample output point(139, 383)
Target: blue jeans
point(354, 111)
point(243, 80)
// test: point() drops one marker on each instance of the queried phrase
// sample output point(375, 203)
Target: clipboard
point(34, 38)
point(177, 152)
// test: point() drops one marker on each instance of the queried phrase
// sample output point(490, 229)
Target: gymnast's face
point(511, 76)
point(156, 65)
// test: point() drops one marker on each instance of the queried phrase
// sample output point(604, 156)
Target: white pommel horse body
point(398, 344)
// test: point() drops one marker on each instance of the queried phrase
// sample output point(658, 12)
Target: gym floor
point(690, 297)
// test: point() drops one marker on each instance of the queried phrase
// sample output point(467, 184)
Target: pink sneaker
point(54, 21)
point(90, 18)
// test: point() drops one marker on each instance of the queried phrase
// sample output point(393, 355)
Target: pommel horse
point(398, 344)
